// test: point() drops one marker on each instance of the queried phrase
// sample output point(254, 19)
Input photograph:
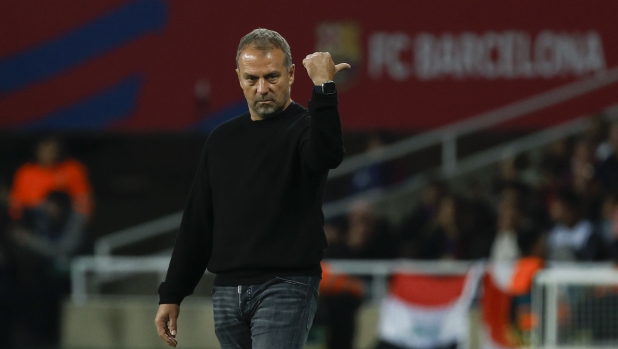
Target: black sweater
point(255, 207)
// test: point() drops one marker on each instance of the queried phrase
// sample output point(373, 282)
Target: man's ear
point(292, 71)
point(238, 75)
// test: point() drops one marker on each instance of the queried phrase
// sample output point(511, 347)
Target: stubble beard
point(269, 111)
point(265, 111)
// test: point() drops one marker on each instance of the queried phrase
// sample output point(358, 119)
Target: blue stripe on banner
point(96, 112)
point(220, 116)
point(102, 34)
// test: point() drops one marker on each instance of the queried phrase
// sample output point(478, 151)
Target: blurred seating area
point(563, 195)
point(557, 204)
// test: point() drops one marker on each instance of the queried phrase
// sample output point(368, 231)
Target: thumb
point(173, 318)
point(342, 66)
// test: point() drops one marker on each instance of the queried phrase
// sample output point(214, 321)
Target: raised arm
point(322, 146)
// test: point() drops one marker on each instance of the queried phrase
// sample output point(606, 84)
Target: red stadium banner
point(150, 65)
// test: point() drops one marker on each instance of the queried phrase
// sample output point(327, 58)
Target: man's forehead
point(251, 59)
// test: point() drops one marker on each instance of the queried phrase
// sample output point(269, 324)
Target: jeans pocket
point(294, 280)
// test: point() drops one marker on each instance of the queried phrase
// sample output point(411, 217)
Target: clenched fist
point(321, 68)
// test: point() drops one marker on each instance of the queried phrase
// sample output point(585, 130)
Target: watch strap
point(329, 89)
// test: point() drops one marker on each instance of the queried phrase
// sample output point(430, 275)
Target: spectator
point(527, 184)
point(608, 225)
point(519, 169)
point(572, 238)
point(49, 204)
point(368, 236)
point(478, 221)
point(340, 298)
point(45, 238)
point(584, 180)
point(604, 148)
point(509, 169)
point(340, 295)
point(582, 162)
point(596, 132)
point(442, 237)
point(531, 243)
point(555, 163)
point(505, 247)
point(52, 171)
point(608, 167)
point(372, 176)
point(609, 211)
point(409, 232)
point(336, 238)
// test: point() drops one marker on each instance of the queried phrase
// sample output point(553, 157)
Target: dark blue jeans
point(276, 314)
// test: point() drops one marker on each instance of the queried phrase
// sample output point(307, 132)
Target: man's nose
point(262, 87)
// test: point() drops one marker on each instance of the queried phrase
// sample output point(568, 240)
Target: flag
point(426, 311)
point(503, 327)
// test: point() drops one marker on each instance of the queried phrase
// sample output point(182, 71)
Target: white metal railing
point(105, 245)
point(379, 270)
point(447, 136)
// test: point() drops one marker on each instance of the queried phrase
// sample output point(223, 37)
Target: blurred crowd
point(563, 207)
point(43, 220)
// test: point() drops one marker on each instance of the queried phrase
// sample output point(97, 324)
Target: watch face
point(329, 88)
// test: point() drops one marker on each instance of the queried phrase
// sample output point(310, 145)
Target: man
point(50, 203)
point(254, 214)
point(51, 171)
point(573, 238)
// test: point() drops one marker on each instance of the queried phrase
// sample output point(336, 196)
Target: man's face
point(557, 211)
point(265, 81)
point(47, 153)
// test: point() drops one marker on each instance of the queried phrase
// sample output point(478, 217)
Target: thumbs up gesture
point(321, 68)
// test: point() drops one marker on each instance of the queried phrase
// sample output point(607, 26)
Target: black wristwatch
point(327, 88)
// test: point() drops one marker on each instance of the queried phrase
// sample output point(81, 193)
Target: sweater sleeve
point(322, 144)
point(193, 246)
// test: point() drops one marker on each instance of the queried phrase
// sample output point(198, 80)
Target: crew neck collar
point(291, 108)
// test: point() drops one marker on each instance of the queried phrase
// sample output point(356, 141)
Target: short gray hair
point(265, 40)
